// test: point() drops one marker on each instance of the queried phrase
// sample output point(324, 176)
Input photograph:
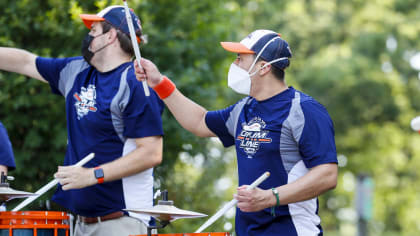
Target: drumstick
point(231, 203)
point(51, 184)
point(134, 43)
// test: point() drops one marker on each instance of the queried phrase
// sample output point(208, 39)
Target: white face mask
point(240, 80)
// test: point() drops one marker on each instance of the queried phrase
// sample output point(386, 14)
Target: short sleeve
point(60, 72)
point(142, 115)
point(6, 152)
point(217, 122)
point(317, 144)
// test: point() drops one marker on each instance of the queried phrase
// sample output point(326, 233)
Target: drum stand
point(7, 193)
point(164, 212)
point(163, 223)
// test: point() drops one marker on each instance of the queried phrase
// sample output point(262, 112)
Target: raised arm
point(19, 61)
point(189, 114)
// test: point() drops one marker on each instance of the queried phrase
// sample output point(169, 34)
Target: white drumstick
point(232, 203)
point(134, 43)
point(51, 184)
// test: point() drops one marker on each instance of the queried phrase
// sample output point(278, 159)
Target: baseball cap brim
point(236, 47)
point(88, 19)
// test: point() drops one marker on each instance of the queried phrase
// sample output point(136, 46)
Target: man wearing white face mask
point(276, 128)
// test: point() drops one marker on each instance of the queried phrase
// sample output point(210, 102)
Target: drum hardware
point(165, 212)
point(163, 202)
point(7, 193)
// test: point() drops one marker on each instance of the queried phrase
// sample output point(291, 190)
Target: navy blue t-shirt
point(286, 135)
point(6, 151)
point(104, 112)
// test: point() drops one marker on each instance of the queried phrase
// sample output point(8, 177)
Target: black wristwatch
point(99, 174)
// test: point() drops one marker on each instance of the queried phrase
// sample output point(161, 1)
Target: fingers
point(65, 183)
point(139, 71)
point(244, 206)
point(241, 198)
point(137, 68)
point(69, 177)
point(141, 76)
point(61, 172)
point(243, 187)
point(147, 64)
point(67, 186)
point(148, 71)
point(62, 175)
point(243, 195)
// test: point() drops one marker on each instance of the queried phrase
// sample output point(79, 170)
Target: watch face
point(99, 173)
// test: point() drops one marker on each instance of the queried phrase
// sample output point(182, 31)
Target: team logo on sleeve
point(252, 135)
point(85, 101)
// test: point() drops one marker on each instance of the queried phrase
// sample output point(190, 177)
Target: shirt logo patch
point(252, 135)
point(85, 101)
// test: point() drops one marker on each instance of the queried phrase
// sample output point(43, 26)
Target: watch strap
point(276, 194)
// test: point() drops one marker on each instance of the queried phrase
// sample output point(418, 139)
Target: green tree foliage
point(352, 56)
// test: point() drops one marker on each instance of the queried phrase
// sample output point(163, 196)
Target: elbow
point(155, 151)
point(332, 178)
point(329, 177)
point(157, 159)
point(200, 134)
point(332, 184)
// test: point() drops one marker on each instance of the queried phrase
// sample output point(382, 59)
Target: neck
point(267, 87)
point(109, 58)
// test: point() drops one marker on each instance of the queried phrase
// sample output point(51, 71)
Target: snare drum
point(36, 223)
point(190, 234)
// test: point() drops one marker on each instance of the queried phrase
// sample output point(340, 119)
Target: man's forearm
point(19, 61)
point(140, 159)
point(317, 181)
point(189, 114)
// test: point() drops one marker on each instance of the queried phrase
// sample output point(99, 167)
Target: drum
point(208, 234)
point(190, 234)
point(36, 223)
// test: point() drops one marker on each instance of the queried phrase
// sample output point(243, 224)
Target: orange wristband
point(164, 88)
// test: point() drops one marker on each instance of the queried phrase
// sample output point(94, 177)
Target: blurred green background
point(356, 57)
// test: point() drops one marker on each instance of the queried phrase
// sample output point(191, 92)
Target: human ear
point(112, 34)
point(264, 68)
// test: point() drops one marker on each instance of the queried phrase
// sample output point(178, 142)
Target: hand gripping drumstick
point(134, 43)
point(231, 203)
point(51, 184)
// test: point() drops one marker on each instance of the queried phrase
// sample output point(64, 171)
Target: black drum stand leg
point(161, 226)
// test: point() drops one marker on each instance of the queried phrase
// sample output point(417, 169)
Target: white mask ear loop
point(269, 63)
point(262, 50)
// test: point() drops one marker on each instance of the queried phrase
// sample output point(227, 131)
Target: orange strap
point(165, 88)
